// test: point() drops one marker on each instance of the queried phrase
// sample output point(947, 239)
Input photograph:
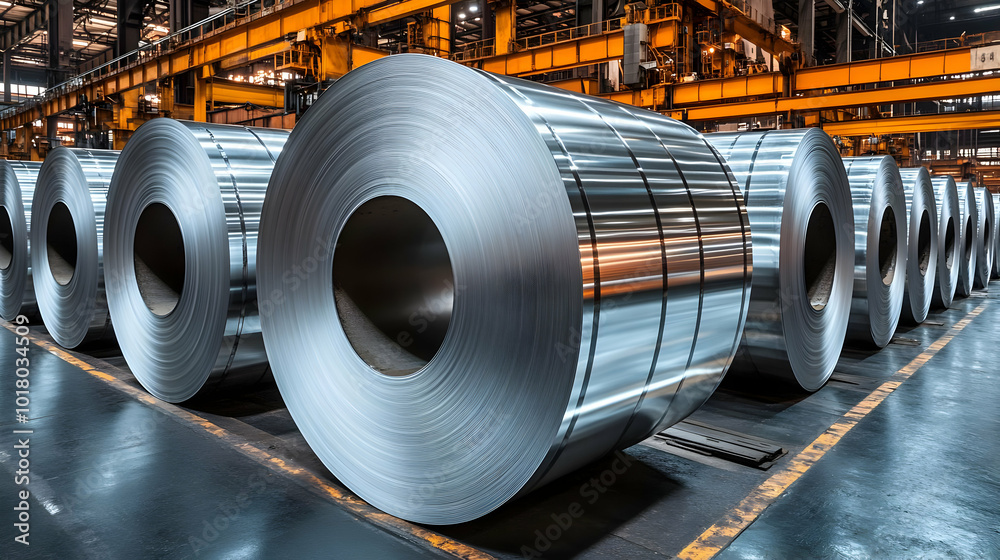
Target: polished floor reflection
point(113, 477)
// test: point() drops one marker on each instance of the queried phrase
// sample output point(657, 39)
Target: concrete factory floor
point(116, 474)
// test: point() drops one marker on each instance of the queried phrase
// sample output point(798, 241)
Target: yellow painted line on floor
point(719, 536)
point(353, 504)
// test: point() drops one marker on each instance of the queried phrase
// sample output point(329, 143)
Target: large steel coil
point(17, 295)
point(922, 243)
point(523, 279)
point(970, 234)
point(996, 237)
point(68, 234)
point(880, 232)
point(799, 203)
point(949, 240)
point(984, 239)
point(180, 248)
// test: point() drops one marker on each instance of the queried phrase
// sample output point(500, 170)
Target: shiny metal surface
point(995, 273)
point(182, 217)
point(508, 281)
point(969, 226)
point(797, 193)
point(922, 243)
point(69, 201)
point(17, 185)
point(949, 239)
point(880, 249)
point(985, 240)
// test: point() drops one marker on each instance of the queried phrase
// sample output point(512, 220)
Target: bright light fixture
point(461, 15)
point(473, 8)
point(100, 21)
point(79, 43)
point(952, 18)
point(987, 8)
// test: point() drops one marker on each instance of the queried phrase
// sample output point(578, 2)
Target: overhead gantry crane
point(323, 31)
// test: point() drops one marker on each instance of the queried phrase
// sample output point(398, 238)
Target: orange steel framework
point(255, 32)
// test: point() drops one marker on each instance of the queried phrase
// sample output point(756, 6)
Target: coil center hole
point(60, 241)
point(820, 258)
point(159, 259)
point(949, 244)
point(987, 234)
point(924, 243)
point(393, 285)
point(967, 256)
point(887, 245)
point(6, 239)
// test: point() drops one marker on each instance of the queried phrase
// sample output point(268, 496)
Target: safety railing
point(472, 51)
point(570, 34)
point(974, 40)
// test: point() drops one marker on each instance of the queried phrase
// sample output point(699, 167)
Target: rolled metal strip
point(985, 240)
point(182, 218)
point(949, 240)
point(68, 204)
point(922, 243)
point(880, 250)
point(995, 273)
point(17, 295)
point(969, 226)
point(523, 279)
point(799, 203)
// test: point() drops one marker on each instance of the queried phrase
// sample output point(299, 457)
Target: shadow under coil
point(523, 279)
point(799, 202)
point(180, 248)
point(68, 233)
point(880, 249)
point(949, 240)
point(17, 295)
point(969, 226)
point(984, 238)
point(922, 243)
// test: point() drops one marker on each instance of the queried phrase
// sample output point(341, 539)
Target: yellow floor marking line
point(338, 495)
point(719, 536)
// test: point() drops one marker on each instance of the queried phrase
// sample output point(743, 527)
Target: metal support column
point(60, 36)
point(807, 24)
point(6, 76)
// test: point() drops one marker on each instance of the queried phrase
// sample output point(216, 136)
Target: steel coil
point(880, 234)
point(68, 205)
point(799, 202)
point(949, 240)
point(182, 217)
point(922, 243)
point(996, 237)
point(523, 279)
point(969, 226)
point(17, 295)
point(984, 238)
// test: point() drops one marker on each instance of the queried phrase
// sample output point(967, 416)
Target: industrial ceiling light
point(100, 21)
point(987, 9)
point(473, 8)
point(461, 15)
point(952, 18)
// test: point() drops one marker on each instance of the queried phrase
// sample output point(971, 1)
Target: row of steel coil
point(468, 286)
